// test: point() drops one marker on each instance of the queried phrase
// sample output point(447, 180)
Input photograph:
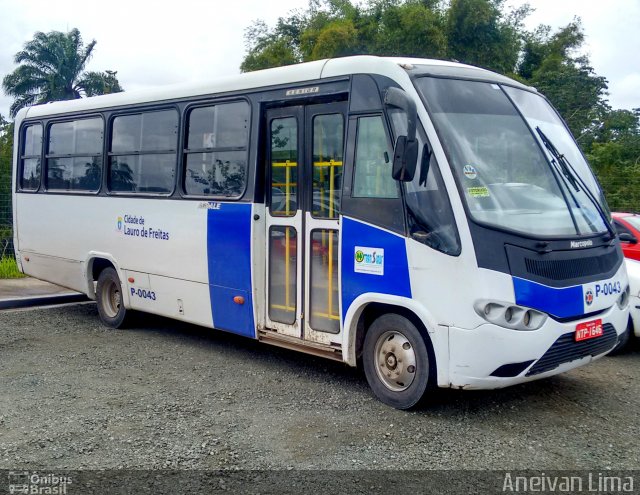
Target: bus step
point(293, 343)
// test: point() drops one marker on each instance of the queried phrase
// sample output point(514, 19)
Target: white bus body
point(263, 205)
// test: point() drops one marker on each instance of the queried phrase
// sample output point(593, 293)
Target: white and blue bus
point(432, 222)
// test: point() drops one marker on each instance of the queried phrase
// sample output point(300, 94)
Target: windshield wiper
point(576, 181)
point(559, 159)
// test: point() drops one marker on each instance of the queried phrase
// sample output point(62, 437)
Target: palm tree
point(51, 67)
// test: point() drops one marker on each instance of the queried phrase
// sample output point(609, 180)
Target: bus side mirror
point(405, 153)
point(624, 237)
point(405, 159)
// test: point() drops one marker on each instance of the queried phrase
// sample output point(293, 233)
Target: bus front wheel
point(109, 298)
point(396, 361)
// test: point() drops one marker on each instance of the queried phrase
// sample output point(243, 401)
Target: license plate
point(588, 330)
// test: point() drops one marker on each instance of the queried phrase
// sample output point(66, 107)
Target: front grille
point(572, 268)
point(566, 349)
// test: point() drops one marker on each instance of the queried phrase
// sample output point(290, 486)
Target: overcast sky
point(152, 43)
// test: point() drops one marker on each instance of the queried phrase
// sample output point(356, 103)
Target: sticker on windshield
point(470, 172)
point(478, 192)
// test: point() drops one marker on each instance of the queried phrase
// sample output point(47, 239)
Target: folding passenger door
point(304, 158)
point(284, 218)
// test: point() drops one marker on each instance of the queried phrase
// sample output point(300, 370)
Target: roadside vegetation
point(9, 268)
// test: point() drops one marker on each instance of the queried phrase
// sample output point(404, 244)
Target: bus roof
point(292, 74)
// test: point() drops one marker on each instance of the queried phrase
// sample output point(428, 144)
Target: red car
point(628, 227)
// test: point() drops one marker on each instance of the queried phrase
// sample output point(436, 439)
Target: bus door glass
point(305, 160)
point(325, 125)
point(284, 220)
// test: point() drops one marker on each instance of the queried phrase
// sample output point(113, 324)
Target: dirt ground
point(165, 395)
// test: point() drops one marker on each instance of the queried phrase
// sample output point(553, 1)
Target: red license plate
point(588, 330)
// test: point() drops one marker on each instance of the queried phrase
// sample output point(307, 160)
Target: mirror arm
point(630, 238)
point(396, 97)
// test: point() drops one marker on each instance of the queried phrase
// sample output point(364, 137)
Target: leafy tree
point(414, 29)
point(52, 67)
point(615, 156)
point(100, 83)
point(269, 47)
point(568, 81)
point(480, 34)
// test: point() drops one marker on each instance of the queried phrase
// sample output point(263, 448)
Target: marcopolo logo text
point(581, 244)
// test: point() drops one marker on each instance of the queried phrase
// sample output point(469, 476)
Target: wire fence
point(622, 192)
point(6, 218)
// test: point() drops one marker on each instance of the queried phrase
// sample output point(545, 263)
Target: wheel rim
point(111, 299)
point(395, 361)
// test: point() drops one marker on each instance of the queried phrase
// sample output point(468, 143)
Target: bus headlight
point(623, 300)
point(510, 315)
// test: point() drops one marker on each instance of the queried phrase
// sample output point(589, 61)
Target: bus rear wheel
point(109, 299)
point(396, 361)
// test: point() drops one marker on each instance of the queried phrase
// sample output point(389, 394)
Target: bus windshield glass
point(506, 176)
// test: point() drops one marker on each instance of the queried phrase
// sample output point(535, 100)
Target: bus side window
point(372, 175)
point(429, 214)
point(143, 153)
point(328, 146)
point(31, 156)
point(216, 150)
point(371, 194)
point(74, 155)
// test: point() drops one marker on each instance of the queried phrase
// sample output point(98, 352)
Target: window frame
point(388, 130)
point(394, 210)
point(184, 151)
point(23, 157)
point(297, 115)
point(48, 156)
point(336, 254)
point(421, 134)
point(109, 154)
point(339, 190)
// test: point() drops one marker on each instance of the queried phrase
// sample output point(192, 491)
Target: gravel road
point(75, 395)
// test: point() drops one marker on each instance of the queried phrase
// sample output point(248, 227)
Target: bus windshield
point(506, 177)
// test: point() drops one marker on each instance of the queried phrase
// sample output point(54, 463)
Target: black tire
point(623, 340)
point(396, 361)
point(109, 299)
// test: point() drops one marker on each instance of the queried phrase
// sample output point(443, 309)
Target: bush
point(9, 268)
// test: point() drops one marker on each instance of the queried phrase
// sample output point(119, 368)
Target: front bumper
point(490, 356)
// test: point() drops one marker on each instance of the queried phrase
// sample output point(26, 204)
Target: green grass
point(9, 268)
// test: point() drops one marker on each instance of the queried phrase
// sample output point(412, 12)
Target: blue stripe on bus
point(229, 261)
point(395, 278)
point(563, 303)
